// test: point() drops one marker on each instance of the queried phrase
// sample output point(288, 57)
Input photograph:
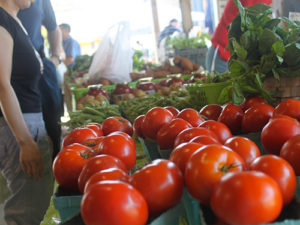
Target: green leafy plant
point(184, 43)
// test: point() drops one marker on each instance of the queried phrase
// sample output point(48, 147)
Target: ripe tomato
point(168, 132)
point(78, 135)
point(189, 133)
point(220, 129)
point(256, 117)
point(116, 123)
point(108, 174)
point(241, 194)
point(205, 168)
point(93, 142)
point(290, 151)
point(281, 171)
point(155, 118)
point(276, 132)
point(252, 101)
point(137, 126)
point(96, 164)
point(172, 109)
point(119, 146)
point(246, 148)
point(191, 115)
point(289, 107)
point(231, 116)
point(96, 127)
point(211, 111)
point(68, 164)
point(113, 203)
point(161, 184)
point(182, 153)
point(205, 140)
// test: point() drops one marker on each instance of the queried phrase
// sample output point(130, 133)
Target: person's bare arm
point(55, 42)
point(69, 60)
point(30, 156)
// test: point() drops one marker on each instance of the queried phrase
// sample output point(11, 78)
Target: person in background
point(25, 155)
point(171, 29)
point(218, 55)
point(39, 14)
point(70, 45)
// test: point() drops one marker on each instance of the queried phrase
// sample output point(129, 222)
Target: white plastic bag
point(113, 58)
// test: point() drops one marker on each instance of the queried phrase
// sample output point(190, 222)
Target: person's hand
point(31, 160)
point(55, 60)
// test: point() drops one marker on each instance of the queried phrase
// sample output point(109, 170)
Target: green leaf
point(258, 80)
point(275, 74)
point(242, 13)
point(235, 28)
point(279, 48)
point(289, 23)
point(267, 39)
point(237, 67)
point(292, 54)
point(239, 50)
point(237, 94)
point(272, 24)
point(224, 96)
point(259, 8)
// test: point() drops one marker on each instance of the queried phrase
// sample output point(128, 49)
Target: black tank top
point(26, 66)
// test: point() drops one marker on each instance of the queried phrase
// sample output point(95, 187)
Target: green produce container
point(79, 92)
point(67, 206)
point(150, 148)
point(164, 153)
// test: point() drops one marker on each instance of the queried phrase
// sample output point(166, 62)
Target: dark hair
point(173, 21)
point(66, 27)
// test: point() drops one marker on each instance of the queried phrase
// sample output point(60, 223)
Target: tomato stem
point(226, 167)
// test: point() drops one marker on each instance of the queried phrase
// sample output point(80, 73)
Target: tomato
point(96, 164)
point(278, 115)
point(137, 126)
point(96, 127)
point(276, 132)
point(182, 153)
point(120, 146)
point(68, 164)
point(108, 174)
point(161, 184)
point(168, 132)
point(189, 133)
point(289, 107)
point(172, 109)
point(78, 135)
point(290, 151)
point(256, 117)
point(205, 168)
point(211, 111)
point(93, 142)
point(231, 116)
point(116, 123)
point(281, 171)
point(154, 119)
point(220, 129)
point(246, 148)
point(252, 101)
point(113, 203)
point(248, 197)
point(205, 140)
point(191, 115)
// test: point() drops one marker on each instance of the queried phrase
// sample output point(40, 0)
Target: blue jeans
point(221, 66)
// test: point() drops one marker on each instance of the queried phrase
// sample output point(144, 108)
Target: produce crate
point(164, 153)
point(150, 148)
point(196, 55)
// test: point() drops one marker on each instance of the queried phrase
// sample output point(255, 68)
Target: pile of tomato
point(220, 167)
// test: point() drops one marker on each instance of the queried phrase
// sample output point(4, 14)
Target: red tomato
point(246, 148)
point(191, 115)
point(116, 123)
point(172, 109)
point(205, 168)
point(256, 117)
point(205, 140)
point(67, 166)
point(240, 194)
point(281, 171)
point(168, 132)
point(289, 107)
point(161, 184)
point(220, 129)
point(252, 101)
point(119, 146)
point(189, 133)
point(231, 116)
point(113, 203)
point(182, 153)
point(211, 111)
point(108, 174)
point(127, 136)
point(96, 127)
point(96, 164)
point(276, 132)
point(93, 142)
point(278, 115)
point(78, 135)
point(155, 118)
point(137, 126)
point(290, 151)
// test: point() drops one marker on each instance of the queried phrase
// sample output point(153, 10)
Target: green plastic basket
point(79, 92)
point(150, 148)
point(164, 153)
